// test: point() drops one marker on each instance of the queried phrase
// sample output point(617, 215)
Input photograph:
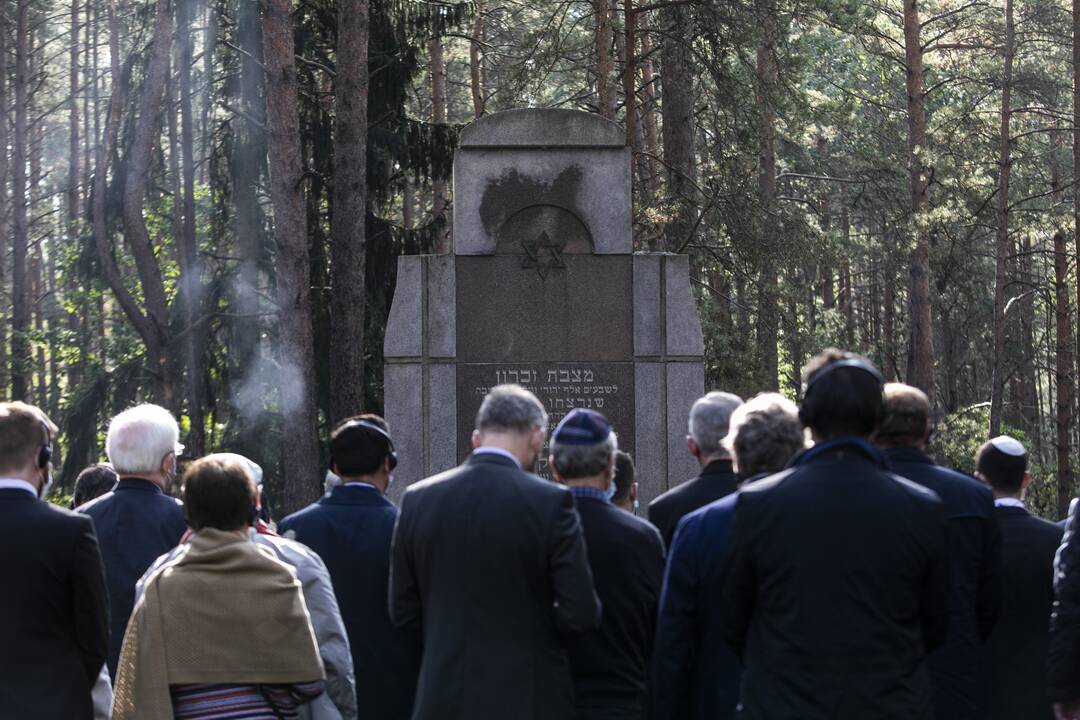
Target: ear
point(692, 445)
point(555, 470)
point(475, 439)
point(386, 464)
point(536, 442)
point(633, 491)
point(1026, 481)
point(981, 478)
point(168, 463)
point(609, 471)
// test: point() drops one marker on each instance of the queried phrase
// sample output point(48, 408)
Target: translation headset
point(46, 452)
point(391, 452)
point(847, 362)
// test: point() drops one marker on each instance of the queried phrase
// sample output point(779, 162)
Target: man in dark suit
point(695, 675)
point(709, 418)
point(837, 578)
point(958, 669)
point(1017, 647)
point(54, 622)
point(610, 665)
point(492, 560)
point(137, 521)
point(350, 530)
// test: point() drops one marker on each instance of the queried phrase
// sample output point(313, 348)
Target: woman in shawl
point(221, 630)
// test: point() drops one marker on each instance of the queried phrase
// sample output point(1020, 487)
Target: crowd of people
point(820, 566)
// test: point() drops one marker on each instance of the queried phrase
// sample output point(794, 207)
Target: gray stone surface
point(403, 389)
point(683, 324)
point(441, 313)
point(442, 420)
point(685, 384)
point(507, 313)
point(648, 331)
point(491, 187)
point(548, 128)
point(405, 325)
point(650, 456)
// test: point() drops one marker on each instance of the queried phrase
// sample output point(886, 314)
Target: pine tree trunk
point(438, 116)
point(921, 350)
point(476, 61)
point(348, 257)
point(604, 89)
point(1003, 245)
point(73, 121)
point(295, 333)
point(5, 203)
point(630, 22)
point(768, 282)
point(1063, 373)
point(20, 313)
point(650, 130)
point(677, 113)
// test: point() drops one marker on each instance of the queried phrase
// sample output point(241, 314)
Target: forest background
point(202, 201)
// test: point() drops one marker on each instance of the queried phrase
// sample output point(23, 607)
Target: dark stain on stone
point(514, 191)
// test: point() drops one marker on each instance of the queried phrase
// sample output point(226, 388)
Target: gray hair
point(709, 420)
point(581, 461)
point(139, 439)
point(511, 408)
point(765, 434)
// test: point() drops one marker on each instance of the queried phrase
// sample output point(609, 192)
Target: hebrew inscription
point(607, 387)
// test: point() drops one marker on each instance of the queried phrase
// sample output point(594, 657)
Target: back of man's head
point(710, 419)
point(842, 395)
point(218, 494)
point(139, 438)
point(583, 445)
point(93, 482)
point(1002, 463)
point(510, 409)
point(360, 445)
point(765, 434)
point(625, 476)
point(907, 417)
point(24, 431)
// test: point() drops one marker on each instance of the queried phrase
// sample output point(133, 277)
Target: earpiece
point(46, 451)
point(391, 454)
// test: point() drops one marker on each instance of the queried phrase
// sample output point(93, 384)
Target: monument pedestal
point(545, 291)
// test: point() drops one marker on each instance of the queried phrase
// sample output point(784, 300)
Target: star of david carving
point(544, 254)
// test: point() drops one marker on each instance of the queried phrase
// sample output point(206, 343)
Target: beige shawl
point(223, 611)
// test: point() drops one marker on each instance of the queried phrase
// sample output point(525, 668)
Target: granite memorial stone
point(543, 290)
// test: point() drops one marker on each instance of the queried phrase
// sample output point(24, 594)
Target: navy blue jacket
point(695, 675)
point(135, 523)
point(959, 669)
point(351, 531)
point(610, 665)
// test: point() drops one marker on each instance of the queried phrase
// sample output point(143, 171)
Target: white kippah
point(1009, 446)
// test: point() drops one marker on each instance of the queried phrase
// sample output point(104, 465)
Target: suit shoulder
point(312, 510)
point(645, 530)
point(920, 493)
point(764, 486)
point(662, 501)
point(96, 505)
point(421, 486)
point(69, 518)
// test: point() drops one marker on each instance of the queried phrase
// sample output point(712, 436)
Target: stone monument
point(543, 289)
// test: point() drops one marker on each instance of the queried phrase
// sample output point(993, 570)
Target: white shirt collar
point(1009, 502)
point(13, 484)
point(496, 451)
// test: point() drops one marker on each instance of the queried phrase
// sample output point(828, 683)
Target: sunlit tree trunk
point(296, 341)
point(20, 313)
point(604, 88)
point(920, 370)
point(677, 108)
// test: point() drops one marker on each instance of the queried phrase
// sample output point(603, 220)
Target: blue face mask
point(610, 490)
point(636, 505)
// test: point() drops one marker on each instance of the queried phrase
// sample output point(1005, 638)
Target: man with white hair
point(137, 521)
point(709, 419)
point(610, 665)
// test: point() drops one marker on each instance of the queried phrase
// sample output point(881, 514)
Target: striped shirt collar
point(580, 491)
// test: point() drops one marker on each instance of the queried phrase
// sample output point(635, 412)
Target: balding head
point(709, 420)
point(906, 419)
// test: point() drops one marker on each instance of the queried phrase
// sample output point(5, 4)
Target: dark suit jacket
point(1017, 648)
point(610, 665)
point(492, 559)
point(351, 530)
point(54, 620)
point(958, 669)
point(135, 523)
point(837, 588)
point(695, 674)
point(716, 480)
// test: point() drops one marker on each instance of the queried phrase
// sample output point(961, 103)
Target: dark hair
point(846, 400)
point(1004, 472)
point(218, 495)
point(359, 450)
point(93, 482)
point(625, 474)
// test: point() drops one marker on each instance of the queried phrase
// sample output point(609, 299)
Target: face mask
point(636, 505)
point(610, 490)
